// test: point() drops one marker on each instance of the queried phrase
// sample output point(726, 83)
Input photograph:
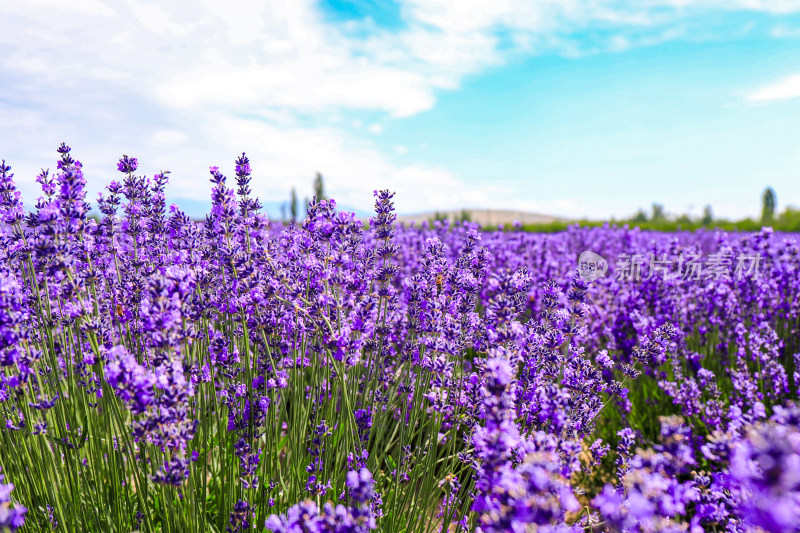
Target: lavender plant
point(236, 374)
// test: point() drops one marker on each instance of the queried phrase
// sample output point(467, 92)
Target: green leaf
point(283, 442)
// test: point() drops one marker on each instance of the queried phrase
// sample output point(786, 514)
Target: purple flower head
point(11, 208)
point(173, 472)
point(766, 465)
point(360, 485)
point(363, 423)
point(127, 164)
point(383, 223)
point(239, 518)
point(243, 170)
point(131, 381)
point(499, 372)
point(604, 360)
point(12, 517)
point(306, 517)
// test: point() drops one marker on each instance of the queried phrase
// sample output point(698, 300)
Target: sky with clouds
point(576, 108)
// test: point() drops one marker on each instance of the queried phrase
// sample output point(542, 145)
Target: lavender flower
point(12, 517)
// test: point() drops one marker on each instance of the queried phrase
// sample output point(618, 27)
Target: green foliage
point(768, 206)
point(437, 216)
point(708, 216)
point(319, 188)
point(293, 205)
point(788, 221)
point(658, 213)
point(456, 218)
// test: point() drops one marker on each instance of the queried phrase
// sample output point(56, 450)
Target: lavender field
point(339, 375)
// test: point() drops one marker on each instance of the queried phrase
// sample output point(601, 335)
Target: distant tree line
point(656, 219)
point(788, 220)
point(458, 218)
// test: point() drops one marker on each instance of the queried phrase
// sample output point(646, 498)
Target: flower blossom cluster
point(159, 373)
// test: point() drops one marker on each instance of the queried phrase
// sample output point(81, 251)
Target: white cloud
point(783, 89)
point(217, 83)
point(285, 157)
point(156, 19)
point(782, 31)
point(168, 137)
point(186, 84)
point(90, 7)
point(253, 54)
point(765, 6)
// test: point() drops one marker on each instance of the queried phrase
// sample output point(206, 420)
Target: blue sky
point(573, 108)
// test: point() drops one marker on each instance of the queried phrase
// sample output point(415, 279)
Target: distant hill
point(484, 217)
